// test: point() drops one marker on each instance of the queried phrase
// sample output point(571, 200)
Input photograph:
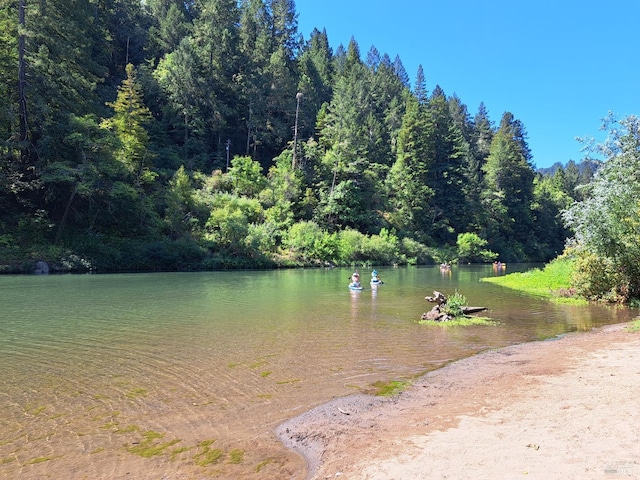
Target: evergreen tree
point(420, 89)
point(401, 72)
point(509, 190)
point(410, 194)
point(269, 80)
point(128, 123)
point(216, 44)
point(373, 59)
point(571, 179)
point(347, 195)
point(171, 23)
point(316, 76)
point(8, 74)
point(284, 26)
point(12, 170)
point(178, 73)
point(447, 172)
point(63, 42)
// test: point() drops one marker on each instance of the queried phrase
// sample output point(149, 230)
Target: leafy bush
point(415, 253)
point(471, 248)
point(596, 278)
point(605, 223)
point(351, 246)
point(382, 248)
point(301, 239)
point(454, 304)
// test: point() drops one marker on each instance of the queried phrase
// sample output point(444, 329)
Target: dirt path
point(562, 409)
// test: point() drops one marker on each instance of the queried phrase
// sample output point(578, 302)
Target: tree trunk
point(22, 83)
point(65, 215)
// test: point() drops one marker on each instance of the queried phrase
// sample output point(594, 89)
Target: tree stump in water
point(437, 313)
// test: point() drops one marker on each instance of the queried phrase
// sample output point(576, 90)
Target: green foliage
point(389, 389)
point(229, 220)
point(597, 278)
point(119, 155)
point(246, 176)
point(416, 253)
point(454, 304)
point(128, 123)
point(508, 195)
point(463, 321)
point(207, 455)
point(635, 326)
point(471, 248)
point(307, 241)
point(606, 222)
point(149, 446)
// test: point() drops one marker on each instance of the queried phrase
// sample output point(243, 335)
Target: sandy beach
point(565, 408)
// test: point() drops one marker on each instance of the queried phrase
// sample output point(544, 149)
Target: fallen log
point(467, 310)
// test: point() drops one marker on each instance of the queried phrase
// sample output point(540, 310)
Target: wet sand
point(565, 408)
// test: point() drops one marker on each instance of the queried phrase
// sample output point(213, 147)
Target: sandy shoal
point(562, 409)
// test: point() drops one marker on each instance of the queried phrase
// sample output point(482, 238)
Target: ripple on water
point(110, 374)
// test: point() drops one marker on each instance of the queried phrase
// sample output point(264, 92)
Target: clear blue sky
point(558, 65)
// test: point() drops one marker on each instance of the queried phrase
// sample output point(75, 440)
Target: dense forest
point(176, 135)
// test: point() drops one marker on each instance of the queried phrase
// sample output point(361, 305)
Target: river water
point(185, 375)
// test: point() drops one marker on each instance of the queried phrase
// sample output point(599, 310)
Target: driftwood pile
point(438, 313)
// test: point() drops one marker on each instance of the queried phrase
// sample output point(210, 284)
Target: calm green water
point(97, 369)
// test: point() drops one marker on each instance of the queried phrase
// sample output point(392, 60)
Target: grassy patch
point(34, 410)
point(236, 456)
point(634, 326)
point(33, 461)
point(553, 281)
point(207, 455)
point(263, 464)
point(284, 382)
point(388, 389)
point(128, 429)
point(173, 454)
point(149, 447)
point(137, 392)
point(460, 322)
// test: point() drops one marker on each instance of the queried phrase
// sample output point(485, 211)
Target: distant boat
point(355, 286)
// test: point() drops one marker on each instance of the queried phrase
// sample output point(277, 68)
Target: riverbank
point(564, 408)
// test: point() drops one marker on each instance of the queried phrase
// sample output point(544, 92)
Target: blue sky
point(559, 66)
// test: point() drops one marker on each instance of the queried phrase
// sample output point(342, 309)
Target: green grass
point(388, 389)
point(207, 455)
point(137, 392)
point(263, 464)
point(39, 460)
point(460, 322)
point(236, 456)
point(552, 282)
point(634, 326)
point(149, 447)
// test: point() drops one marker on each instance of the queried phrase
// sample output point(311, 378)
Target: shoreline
point(437, 424)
